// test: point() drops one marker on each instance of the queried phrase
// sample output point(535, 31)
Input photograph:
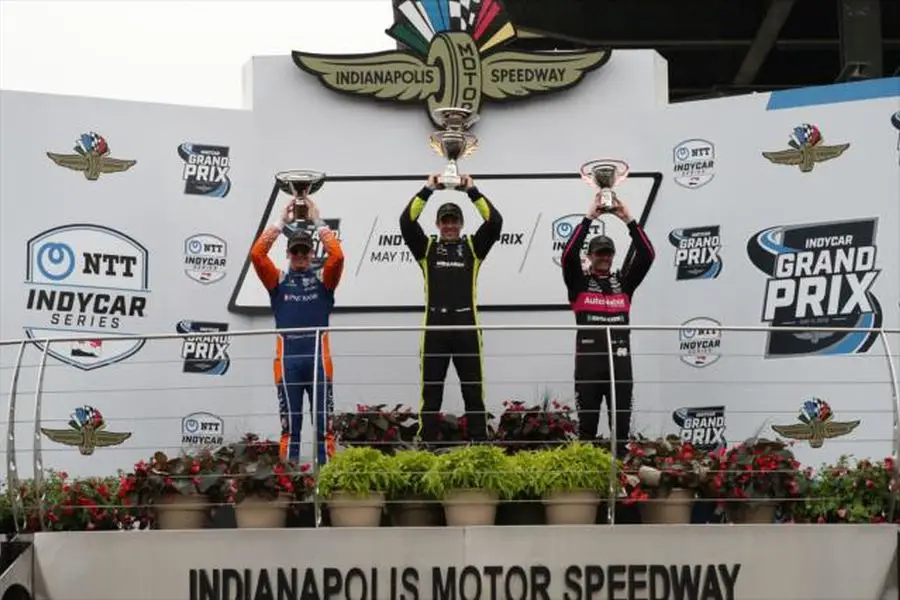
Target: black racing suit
point(598, 300)
point(451, 270)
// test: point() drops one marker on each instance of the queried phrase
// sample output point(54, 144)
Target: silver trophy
point(454, 142)
point(300, 183)
point(604, 174)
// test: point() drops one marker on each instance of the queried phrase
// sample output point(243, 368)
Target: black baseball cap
point(449, 209)
point(601, 243)
point(300, 238)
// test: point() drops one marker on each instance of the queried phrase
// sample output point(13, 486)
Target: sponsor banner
point(697, 252)
point(820, 275)
point(698, 345)
point(381, 274)
point(82, 280)
point(702, 426)
point(202, 430)
point(205, 258)
point(693, 163)
point(205, 171)
point(207, 355)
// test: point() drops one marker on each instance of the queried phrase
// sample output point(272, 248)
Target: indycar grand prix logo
point(206, 354)
point(820, 275)
point(697, 252)
point(205, 170)
point(453, 59)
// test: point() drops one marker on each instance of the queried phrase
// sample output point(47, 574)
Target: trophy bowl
point(455, 117)
point(453, 145)
point(300, 181)
point(604, 173)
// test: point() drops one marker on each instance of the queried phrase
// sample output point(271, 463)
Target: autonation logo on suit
point(820, 275)
point(84, 280)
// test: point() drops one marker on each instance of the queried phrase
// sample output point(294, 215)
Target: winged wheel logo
point(454, 59)
point(87, 431)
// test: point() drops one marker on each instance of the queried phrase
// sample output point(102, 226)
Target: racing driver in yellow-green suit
point(450, 263)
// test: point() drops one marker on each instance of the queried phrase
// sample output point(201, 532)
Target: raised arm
point(413, 236)
point(265, 269)
point(334, 258)
point(635, 271)
point(488, 232)
point(644, 254)
point(334, 254)
point(571, 256)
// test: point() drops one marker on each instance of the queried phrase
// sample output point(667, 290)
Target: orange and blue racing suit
point(301, 299)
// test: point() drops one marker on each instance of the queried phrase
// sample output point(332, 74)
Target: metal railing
point(38, 463)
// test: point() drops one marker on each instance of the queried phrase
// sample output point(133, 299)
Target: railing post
point(613, 474)
point(895, 393)
point(12, 471)
point(38, 454)
point(317, 507)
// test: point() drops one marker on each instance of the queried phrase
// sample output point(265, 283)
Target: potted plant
point(663, 475)
point(525, 507)
point(412, 505)
point(31, 496)
point(174, 493)
point(753, 478)
point(572, 480)
point(848, 493)
point(535, 427)
point(88, 504)
point(375, 426)
point(260, 484)
point(354, 483)
point(470, 480)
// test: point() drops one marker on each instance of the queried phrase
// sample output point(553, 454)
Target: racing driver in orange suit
point(301, 296)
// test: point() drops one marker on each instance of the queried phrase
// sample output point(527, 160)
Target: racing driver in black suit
point(450, 263)
point(601, 297)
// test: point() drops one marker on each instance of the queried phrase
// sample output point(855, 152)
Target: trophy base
point(449, 181)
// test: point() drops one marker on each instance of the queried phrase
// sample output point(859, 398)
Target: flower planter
point(759, 512)
point(674, 508)
point(177, 511)
point(415, 511)
point(255, 512)
point(572, 508)
point(347, 510)
point(465, 508)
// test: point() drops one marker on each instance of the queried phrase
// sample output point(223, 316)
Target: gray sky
point(173, 51)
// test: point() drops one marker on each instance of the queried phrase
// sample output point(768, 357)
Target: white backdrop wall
point(377, 156)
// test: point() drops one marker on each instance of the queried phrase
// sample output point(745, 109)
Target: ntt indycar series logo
point(698, 344)
point(697, 252)
point(81, 281)
point(564, 227)
point(820, 275)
